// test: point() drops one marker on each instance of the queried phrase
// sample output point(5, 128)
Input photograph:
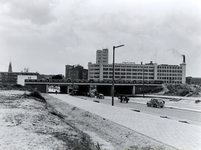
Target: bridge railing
point(96, 81)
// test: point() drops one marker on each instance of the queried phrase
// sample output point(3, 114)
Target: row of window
point(169, 78)
point(139, 73)
point(110, 66)
point(179, 82)
point(159, 74)
point(123, 73)
point(122, 77)
point(127, 77)
point(136, 70)
point(180, 71)
point(127, 73)
point(168, 67)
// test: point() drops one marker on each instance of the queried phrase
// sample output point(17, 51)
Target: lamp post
point(143, 80)
point(113, 72)
point(73, 79)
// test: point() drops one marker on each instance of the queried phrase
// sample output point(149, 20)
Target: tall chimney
point(184, 60)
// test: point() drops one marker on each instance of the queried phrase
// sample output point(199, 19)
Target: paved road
point(192, 117)
point(182, 136)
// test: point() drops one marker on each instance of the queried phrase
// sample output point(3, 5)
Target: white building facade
point(21, 78)
point(138, 72)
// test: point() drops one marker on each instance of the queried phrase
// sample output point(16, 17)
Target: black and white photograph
point(100, 75)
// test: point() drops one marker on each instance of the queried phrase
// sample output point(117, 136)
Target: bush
point(183, 93)
point(17, 86)
point(14, 87)
point(37, 94)
point(157, 90)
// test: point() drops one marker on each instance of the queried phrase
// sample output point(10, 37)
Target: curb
point(173, 107)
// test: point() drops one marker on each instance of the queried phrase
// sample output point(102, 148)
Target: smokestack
point(184, 59)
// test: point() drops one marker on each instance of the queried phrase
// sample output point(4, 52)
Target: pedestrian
point(121, 98)
point(56, 92)
point(126, 99)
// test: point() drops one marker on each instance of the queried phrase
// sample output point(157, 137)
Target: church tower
point(10, 67)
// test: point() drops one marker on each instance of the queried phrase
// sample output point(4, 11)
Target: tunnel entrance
point(125, 90)
point(83, 89)
point(63, 89)
point(104, 89)
point(107, 90)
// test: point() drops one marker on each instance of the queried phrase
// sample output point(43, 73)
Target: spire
point(10, 67)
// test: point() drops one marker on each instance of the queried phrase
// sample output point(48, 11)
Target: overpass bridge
point(84, 86)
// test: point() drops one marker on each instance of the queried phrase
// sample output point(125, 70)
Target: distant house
point(76, 72)
point(193, 80)
point(11, 78)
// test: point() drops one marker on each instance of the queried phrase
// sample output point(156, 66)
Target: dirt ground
point(30, 124)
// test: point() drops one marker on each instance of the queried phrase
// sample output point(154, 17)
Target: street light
point(113, 72)
point(73, 78)
point(143, 79)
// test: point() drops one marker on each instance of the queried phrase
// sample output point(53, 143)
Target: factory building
point(132, 71)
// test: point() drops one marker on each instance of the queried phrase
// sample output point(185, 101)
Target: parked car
point(154, 102)
point(100, 96)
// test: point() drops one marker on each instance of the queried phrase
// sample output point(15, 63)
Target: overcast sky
point(45, 35)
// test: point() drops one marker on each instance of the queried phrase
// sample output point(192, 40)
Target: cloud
point(60, 32)
point(38, 12)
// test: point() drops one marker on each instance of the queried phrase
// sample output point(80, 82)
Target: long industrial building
point(102, 70)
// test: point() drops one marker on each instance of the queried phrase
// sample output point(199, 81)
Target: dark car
point(154, 102)
point(100, 96)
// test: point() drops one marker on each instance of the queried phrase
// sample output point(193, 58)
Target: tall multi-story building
point(131, 71)
point(102, 56)
point(76, 72)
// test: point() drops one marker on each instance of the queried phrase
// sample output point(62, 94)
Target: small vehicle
point(154, 102)
point(91, 94)
point(100, 96)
